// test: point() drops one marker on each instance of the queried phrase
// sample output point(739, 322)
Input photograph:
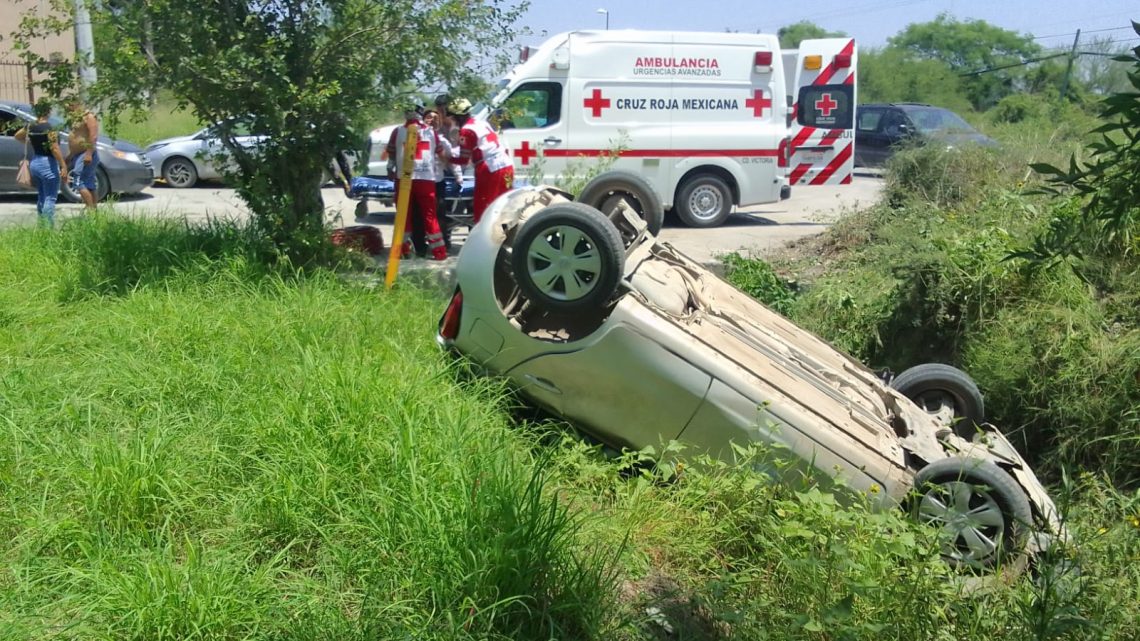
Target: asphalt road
point(755, 230)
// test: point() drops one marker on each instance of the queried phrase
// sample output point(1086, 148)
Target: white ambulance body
point(705, 118)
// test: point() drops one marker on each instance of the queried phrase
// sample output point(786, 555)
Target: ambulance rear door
point(822, 128)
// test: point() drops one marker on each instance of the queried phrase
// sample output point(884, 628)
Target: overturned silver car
point(636, 344)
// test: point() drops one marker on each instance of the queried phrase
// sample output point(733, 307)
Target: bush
point(757, 279)
point(941, 176)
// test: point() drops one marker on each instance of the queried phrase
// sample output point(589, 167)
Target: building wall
point(13, 73)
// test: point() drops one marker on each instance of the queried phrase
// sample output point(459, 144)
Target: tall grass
point(200, 448)
point(221, 456)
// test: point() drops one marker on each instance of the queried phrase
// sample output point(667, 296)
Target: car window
point(9, 123)
point(934, 119)
point(533, 105)
point(892, 122)
point(869, 119)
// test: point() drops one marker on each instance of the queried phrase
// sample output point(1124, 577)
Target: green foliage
point(931, 173)
point(221, 453)
point(580, 171)
point(307, 76)
point(894, 75)
point(1018, 107)
point(757, 279)
point(792, 35)
point(1106, 180)
point(970, 46)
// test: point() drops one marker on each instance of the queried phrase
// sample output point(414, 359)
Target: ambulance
point(709, 121)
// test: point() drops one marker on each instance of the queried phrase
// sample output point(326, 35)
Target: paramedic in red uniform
point(424, 169)
point(479, 144)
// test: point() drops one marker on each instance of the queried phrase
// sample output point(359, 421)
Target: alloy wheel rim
point(970, 521)
point(564, 263)
point(178, 174)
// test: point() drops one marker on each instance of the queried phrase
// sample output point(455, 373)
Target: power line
point(1073, 33)
point(1010, 66)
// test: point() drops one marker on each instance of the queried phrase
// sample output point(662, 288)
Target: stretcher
point(455, 206)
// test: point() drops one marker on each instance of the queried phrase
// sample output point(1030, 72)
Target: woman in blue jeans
point(47, 166)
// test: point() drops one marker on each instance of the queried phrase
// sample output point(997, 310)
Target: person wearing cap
point(422, 202)
point(479, 145)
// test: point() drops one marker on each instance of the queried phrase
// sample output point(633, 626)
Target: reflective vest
point(424, 166)
point(480, 144)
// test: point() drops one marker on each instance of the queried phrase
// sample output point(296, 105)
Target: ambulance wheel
point(705, 200)
point(568, 257)
point(610, 188)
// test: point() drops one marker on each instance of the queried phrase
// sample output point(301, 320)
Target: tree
point(301, 73)
point(968, 47)
point(1109, 220)
point(792, 35)
point(890, 75)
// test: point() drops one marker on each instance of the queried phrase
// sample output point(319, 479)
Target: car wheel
point(179, 173)
point(945, 392)
point(70, 190)
point(704, 201)
point(608, 189)
point(982, 515)
point(568, 257)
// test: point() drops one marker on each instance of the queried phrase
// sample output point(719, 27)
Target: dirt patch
point(669, 611)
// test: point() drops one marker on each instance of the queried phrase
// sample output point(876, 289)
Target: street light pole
point(607, 14)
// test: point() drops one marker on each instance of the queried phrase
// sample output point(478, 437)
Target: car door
point(871, 143)
point(533, 126)
point(11, 150)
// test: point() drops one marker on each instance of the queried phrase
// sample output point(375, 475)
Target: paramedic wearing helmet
point(479, 144)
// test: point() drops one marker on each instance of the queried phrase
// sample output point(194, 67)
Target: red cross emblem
point(597, 103)
point(758, 103)
point(525, 153)
point(422, 146)
point(825, 105)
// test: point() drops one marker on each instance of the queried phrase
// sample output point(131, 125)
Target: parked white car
point(182, 161)
point(593, 319)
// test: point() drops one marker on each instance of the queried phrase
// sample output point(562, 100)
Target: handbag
point(24, 173)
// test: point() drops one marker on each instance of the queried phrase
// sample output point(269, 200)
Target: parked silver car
point(184, 160)
point(122, 167)
point(593, 319)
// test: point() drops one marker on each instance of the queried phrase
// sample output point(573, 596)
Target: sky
point(1052, 22)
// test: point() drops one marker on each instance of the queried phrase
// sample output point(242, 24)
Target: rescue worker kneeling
point(422, 202)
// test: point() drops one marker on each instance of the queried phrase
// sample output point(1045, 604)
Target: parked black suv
point(879, 128)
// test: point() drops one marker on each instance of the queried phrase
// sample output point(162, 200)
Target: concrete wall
point(13, 73)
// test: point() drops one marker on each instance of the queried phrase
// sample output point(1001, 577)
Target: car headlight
point(126, 155)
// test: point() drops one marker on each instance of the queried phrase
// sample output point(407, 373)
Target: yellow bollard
point(402, 202)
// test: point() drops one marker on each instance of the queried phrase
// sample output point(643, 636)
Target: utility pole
point(84, 47)
point(1069, 69)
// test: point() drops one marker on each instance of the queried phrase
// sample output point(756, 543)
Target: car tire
point(70, 189)
point(179, 172)
point(937, 388)
point(982, 514)
point(704, 200)
point(607, 189)
point(587, 245)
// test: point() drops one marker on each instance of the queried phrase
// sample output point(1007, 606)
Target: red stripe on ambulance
point(833, 166)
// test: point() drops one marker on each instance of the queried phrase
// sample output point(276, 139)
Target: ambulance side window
point(532, 106)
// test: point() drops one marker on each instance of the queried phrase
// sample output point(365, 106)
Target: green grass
point(193, 446)
point(164, 120)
